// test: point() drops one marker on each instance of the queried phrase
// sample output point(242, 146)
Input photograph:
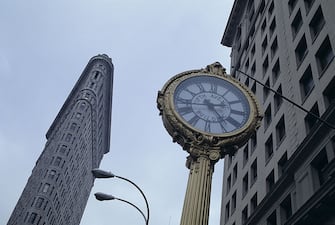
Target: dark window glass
point(268, 149)
point(308, 5)
point(311, 120)
point(227, 211)
point(253, 203)
point(245, 154)
point(264, 45)
point(276, 71)
point(32, 218)
point(319, 164)
point(317, 23)
point(274, 48)
point(296, 24)
point(272, 219)
point(286, 209)
point(39, 202)
point(271, 7)
point(301, 51)
point(324, 55)
point(282, 164)
point(272, 27)
point(234, 173)
point(245, 185)
point(267, 117)
point(270, 181)
point(280, 131)
point(244, 214)
point(266, 89)
point(278, 100)
point(265, 65)
point(329, 93)
point(291, 5)
point(253, 172)
point(233, 203)
point(306, 83)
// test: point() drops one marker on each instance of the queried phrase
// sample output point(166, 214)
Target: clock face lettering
point(211, 104)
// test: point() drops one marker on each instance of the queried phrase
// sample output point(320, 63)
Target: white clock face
point(211, 104)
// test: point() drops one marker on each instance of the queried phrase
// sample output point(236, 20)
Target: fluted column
point(198, 192)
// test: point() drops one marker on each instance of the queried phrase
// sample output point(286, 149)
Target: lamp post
point(98, 173)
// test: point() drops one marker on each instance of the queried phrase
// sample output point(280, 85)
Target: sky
point(44, 47)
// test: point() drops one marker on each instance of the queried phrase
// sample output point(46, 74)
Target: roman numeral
point(237, 112)
point(185, 110)
point(208, 126)
point(184, 101)
point(233, 122)
point(214, 87)
point(193, 121)
point(202, 89)
point(234, 102)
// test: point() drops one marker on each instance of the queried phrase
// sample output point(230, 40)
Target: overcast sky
point(44, 47)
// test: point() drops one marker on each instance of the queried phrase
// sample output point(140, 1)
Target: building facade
point(59, 186)
point(285, 173)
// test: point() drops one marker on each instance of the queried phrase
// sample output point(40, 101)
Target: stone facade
point(285, 173)
point(59, 186)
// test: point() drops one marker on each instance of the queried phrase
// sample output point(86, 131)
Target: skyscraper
point(59, 186)
point(285, 173)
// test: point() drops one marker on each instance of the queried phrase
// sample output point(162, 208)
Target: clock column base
point(197, 198)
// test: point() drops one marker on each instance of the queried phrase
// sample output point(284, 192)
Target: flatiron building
point(59, 186)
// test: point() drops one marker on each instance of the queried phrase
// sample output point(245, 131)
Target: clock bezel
point(187, 135)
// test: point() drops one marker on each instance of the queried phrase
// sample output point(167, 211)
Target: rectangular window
point(263, 27)
point(245, 185)
point(276, 71)
point(233, 203)
point(235, 173)
point(32, 218)
point(311, 120)
point(253, 69)
point(57, 161)
point(324, 55)
point(63, 149)
point(280, 131)
point(278, 100)
point(306, 83)
point(39, 202)
point(245, 214)
point(253, 172)
point(301, 51)
point(270, 181)
point(253, 203)
point(265, 65)
point(266, 89)
point(253, 88)
point(272, 219)
point(308, 5)
point(282, 164)
point(319, 165)
point(253, 50)
point(296, 24)
point(329, 93)
point(268, 149)
point(68, 137)
point(73, 126)
point(267, 117)
point(264, 45)
point(317, 23)
point(274, 48)
point(228, 184)
point(51, 174)
point(270, 10)
point(227, 211)
point(253, 142)
point(272, 27)
point(245, 154)
point(286, 209)
point(46, 188)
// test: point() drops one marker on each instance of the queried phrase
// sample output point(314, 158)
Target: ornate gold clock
point(210, 115)
point(208, 108)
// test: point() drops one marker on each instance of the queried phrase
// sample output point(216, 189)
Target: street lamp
point(104, 197)
point(98, 173)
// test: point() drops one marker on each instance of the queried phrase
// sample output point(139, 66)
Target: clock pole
point(197, 198)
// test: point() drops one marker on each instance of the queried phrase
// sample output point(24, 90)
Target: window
point(266, 89)
point(228, 184)
point(253, 69)
point(306, 83)
point(265, 65)
point(263, 27)
point(82, 105)
point(39, 202)
point(253, 203)
point(51, 174)
point(308, 5)
point(253, 142)
point(317, 23)
point(278, 99)
point(57, 161)
point(245, 154)
point(234, 173)
point(268, 149)
point(233, 203)
point(329, 93)
point(311, 120)
point(301, 51)
point(276, 71)
point(63, 149)
point(296, 24)
point(261, 7)
point(286, 209)
point(291, 5)
point(264, 44)
point(246, 82)
point(227, 211)
point(78, 115)
point(272, 27)
point(32, 218)
point(267, 117)
point(253, 172)
point(282, 164)
point(68, 137)
point(272, 219)
point(324, 55)
point(253, 88)
point(271, 7)
point(96, 74)
point(73, 126)
point(245, 185)
point(45, 188)
point(280, 131)
point(253, 50)
point(244, 214)
point(274, 48)
point(270, 181)
point(247, 64)
point(319, 165)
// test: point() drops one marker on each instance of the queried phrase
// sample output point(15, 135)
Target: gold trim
point(188, 136)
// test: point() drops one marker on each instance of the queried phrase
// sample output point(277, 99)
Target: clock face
point(211, 104)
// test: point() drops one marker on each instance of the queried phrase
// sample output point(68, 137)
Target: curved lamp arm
point(98, 173)
point(104, 197)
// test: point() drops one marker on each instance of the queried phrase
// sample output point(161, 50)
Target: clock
point(207, 108)
point(211, 104)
